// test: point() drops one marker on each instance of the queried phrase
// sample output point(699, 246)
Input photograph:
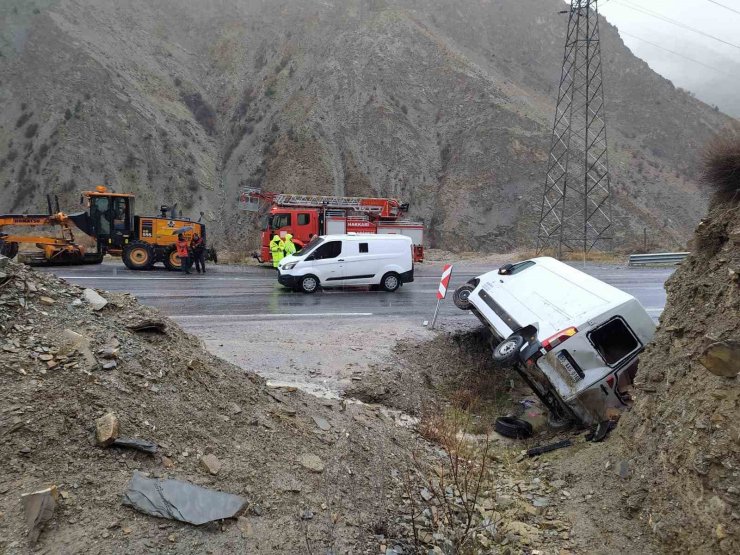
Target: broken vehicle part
point(147, 447)
point(600, 430)
point(149, 325)
point(39, 508)
point(178, 500)
point(535, 451)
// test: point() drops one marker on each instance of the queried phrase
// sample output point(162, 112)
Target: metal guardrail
point(658, 258)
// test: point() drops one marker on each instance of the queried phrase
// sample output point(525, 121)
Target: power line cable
point(673, 52)
point(721, 6)
point(674, 22)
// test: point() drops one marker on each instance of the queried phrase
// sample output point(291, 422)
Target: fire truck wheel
point(171, 261)
point(138, 256)
point(391, 281)
point(461, 296)
point(309, 284)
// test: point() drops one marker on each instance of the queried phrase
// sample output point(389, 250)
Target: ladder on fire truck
point(350, 203)
point(382, 208)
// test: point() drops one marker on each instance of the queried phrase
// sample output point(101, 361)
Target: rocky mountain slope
point(446, 105)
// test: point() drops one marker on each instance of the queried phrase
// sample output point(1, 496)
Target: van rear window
point(614, 341)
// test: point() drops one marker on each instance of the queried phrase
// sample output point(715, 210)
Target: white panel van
point(573, 338)
point(384, 261)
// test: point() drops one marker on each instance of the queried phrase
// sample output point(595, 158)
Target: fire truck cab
point(308, 216)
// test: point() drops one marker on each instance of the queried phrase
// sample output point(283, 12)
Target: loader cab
point(111, 218)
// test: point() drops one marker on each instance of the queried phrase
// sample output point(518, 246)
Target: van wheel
point(506, 353)
point(309, 284)
point(391, 282)
point(461, 296)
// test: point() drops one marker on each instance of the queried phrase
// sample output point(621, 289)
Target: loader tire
point(138, 256)
point(171, 261)
point(8, 249)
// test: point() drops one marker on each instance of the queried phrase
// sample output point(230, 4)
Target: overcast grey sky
point(715, 87)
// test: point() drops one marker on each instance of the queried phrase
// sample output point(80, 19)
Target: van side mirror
point(310, 257)
point(505, 270)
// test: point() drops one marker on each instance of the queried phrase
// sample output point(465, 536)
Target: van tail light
point(551, 342)
point(610, 382)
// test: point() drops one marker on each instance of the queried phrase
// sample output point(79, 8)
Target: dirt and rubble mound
point(88, 374)
point(424, 376)
point(317, 474)
point(673, 463)
point(684, 431)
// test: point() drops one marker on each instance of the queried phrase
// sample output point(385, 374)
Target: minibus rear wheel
point(507, 352)
point(391, 282)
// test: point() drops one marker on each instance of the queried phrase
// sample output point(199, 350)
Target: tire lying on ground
point(138, 256)
point(516, 428)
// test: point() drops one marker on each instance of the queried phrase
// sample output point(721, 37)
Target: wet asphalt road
point(248, 293)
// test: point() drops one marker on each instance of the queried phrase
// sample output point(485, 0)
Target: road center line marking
point(185, 280)
point(283, 315)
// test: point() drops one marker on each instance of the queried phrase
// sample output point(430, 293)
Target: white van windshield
point(311, 245)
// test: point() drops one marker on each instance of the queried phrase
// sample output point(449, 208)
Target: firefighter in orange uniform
point(183, 252)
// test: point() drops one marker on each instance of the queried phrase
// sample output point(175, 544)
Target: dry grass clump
point(721, 160)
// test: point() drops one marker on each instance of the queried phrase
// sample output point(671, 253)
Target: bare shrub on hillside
point(443, 501)
point(721, 160)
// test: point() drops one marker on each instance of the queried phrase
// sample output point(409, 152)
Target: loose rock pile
point(684, 431)
point(71, 356)
point(79, 371)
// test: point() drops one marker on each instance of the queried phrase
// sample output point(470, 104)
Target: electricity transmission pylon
point(576, 201)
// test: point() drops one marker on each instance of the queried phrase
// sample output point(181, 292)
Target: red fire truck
point(304, 216)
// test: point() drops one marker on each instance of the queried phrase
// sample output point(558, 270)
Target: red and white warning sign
point(444, 283)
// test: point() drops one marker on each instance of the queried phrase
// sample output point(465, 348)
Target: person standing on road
point(198, 246)
point(276, 249)
point(183, 252)
point(289, 245)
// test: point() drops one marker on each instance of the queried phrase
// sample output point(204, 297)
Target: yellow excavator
point(109, 218)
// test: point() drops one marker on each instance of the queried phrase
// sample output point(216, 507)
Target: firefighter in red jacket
point(183, 253)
